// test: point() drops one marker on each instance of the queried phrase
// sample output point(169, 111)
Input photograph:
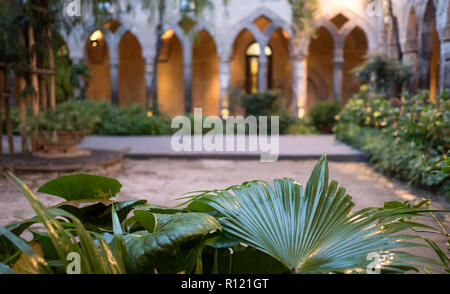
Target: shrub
point(260, 104)
point(68, 116)
point(408, 142)
point(384, 75)
point(323, 114)
point(301, 127)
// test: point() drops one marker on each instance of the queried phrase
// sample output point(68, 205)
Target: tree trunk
point(51, 64)
point(6, 105)
point(33, 67)
point(396, 31)
point(153, 97)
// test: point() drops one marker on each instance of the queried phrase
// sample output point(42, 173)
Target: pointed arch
point(205, 82)
point(320, 67)
point(355, 53)
point(170, 76)
point(97, 57)
point(131, 71)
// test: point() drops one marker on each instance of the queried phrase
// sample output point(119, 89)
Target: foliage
point(82, 186)
point(323, 114)
point(260, 104)
point(68, 116)
point(253, 228)
point(384, 75)
point(301, 127)
point(408, 141)
point(311, 231)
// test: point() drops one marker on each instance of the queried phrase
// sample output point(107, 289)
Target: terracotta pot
point(59, 141)
point(326, 129)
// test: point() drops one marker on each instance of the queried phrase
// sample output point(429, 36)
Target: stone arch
point(429, 50)
point(131, 71)
point(238, 59)
point(98, 62)
point(205, 72)
point(170, 73)
point(320, 67)
point(280, 71)
point(247, 23)
point(355, 53)
point(411, 46)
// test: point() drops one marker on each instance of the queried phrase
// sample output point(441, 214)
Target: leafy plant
point(323, 114)
point(93, 258)
point(260, 104)
point(312, 231)
point(407, 141)
point(68, 116)
point(252, 228)
point(384, 75)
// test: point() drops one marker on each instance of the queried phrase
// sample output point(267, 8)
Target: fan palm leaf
point(312, 231)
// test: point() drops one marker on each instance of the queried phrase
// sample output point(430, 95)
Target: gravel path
point(162, 180)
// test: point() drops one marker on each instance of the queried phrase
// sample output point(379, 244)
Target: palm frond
point(312, 231)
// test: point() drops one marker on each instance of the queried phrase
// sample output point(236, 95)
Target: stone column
point(262, 69)
point(187, 74)
point(149, 72)
point(225, 82)
point(77, 59)
point(411, 58)
point(338, 74)
point(299, 85)
point(114, 71)
point(445, 59)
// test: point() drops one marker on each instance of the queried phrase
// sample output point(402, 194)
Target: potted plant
point(59, 131)
point(323, 115)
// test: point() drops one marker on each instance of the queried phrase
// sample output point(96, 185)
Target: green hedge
point(407, 139)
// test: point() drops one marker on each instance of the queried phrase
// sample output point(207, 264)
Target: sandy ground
point(160, 181)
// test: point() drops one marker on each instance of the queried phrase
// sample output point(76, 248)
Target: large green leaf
point(96, 256)
point(171, 231)
point(96, 215)
point(82, 187)
point(312, 231)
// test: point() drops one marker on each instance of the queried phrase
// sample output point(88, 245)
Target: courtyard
point(217, 137)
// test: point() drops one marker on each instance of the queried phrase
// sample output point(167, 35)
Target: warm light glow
point(225, 113)
point(96, 36)
point(150, 113)
point(168, 34)
point(255, 50)
point(301, 113)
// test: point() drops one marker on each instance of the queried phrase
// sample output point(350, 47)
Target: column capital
point(446, 33)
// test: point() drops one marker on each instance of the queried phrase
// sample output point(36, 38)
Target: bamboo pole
point(2, 98)
point(43, 92)
point(51, 62)
point(23, 113)
point(9, 126)
point(33, 74)
point(20, 79)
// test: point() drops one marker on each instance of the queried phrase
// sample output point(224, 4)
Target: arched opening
point(99, 85)
point(170, 76)
point(131, 72)
point(253, 53)
point(411, 48)
point(355, 53)
point(205, 82)
point(279, 72)
point(320, 68)
point(238, 62)
point(430, 52)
